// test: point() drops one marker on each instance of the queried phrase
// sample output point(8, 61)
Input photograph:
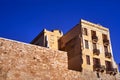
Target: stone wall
point(21, 61)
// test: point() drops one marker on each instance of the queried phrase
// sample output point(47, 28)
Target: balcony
point(108, 55)
point(105, 42)
point(102, 68)
point(115, 71)
point(96, 51)
point(112, 71)
point(98, 67)
point(94, 38)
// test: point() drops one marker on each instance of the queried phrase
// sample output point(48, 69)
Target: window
point(96, 61)
point(93, 33)
point(88, 59)
point(105, 48)
point(94, 46)
point(86, 44)
point(85, 31)
point(104, 36)
point(108, 65)
point(46, 42)
point(105, 40)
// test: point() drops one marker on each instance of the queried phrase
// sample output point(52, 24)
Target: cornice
point(94, 25)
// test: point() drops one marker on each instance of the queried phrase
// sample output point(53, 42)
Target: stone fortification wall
point(21, 61)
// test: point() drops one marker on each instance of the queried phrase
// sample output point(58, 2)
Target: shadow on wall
point(74, 54)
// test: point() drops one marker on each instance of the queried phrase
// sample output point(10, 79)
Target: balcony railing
point(112, 71)
point(115, 71)
point(99, 68)
point(105, 42)
point(102, 68)
point(96, 51)
point(94, 38)
point(108, 55)
point(96, 67)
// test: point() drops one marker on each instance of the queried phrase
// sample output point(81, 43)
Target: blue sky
point(22, 20)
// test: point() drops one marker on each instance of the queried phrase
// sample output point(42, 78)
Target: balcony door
point(96, 61)
point(94, 46)
point(93, 33)
point(108, 65)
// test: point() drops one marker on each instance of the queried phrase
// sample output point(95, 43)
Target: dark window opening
point(85, 31)
point(86, 44)
point(105, 49)
point(108, 65)
point(94, 46)
point(88, 59)
point(96, 61)
point(93, 33)
point(104, 36)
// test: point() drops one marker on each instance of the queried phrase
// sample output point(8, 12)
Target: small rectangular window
point(85, 31)
point(88, 59)
point(94, 46)
point(86, 44)
point(108, 65)
point(93, 33)
point(96, 61)
point(104, 36)
point(105, 48)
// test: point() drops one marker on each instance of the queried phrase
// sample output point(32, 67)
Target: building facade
point(48, 39)
point(88, 47)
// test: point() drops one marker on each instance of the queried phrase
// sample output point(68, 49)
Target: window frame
point(93, 33)
point(86, 44)
point(85, 31)
point(105, 48)
point(94, 45)
point(87, 59)
point(108, 64)
point(96, 61)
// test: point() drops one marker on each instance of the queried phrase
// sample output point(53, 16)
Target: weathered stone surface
point(21, 61)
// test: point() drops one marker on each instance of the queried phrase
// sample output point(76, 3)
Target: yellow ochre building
point(88, 47)
point(48, 39)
